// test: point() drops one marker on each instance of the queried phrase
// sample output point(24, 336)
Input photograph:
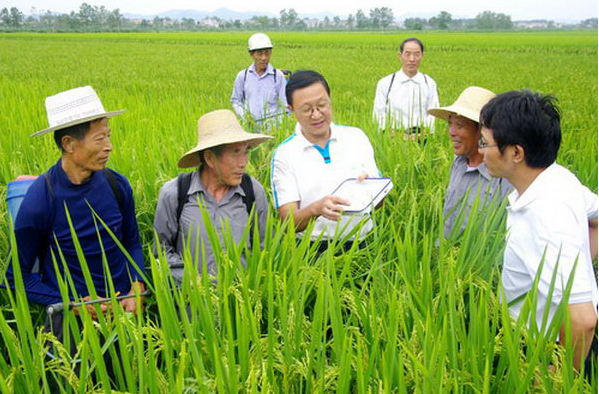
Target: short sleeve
point(283, 182)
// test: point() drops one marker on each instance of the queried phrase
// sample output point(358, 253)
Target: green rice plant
point(409, 312)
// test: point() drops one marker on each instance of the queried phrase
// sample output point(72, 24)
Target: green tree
point(415, 23)
point(288, 18)
point(590, 23)
point(362, 20)
point(115, 20)
point(5, 16)
point(489, 20)
point(441, 21)
point(350, 21)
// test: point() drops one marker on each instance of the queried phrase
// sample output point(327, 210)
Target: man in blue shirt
point(259, 90)
point(78, 201)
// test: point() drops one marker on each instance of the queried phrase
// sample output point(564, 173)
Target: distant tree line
point(98, 18)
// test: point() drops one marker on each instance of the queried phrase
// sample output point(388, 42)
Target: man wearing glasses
point(259, 90)
point(309, 165)
point(552, 219)
point(469, 178)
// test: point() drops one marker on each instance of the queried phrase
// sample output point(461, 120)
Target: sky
point(557, 10)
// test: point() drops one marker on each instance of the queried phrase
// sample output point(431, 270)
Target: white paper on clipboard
point(363, 196)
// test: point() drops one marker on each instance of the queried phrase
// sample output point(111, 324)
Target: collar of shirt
point(269, 70)
point(197, 186)
point(307, 144)
point(402, 77)
point(536, 188)
point(481, 168)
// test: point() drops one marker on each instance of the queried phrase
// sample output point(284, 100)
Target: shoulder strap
point(248, 199)
point(275, 70)
point(425, 79)
point(389, 91)
point(48, 183)
point(114, 186)
point(245, 75)
point(183, 184)
point(248, 189)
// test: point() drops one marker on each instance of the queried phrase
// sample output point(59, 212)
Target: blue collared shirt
point(262, 95)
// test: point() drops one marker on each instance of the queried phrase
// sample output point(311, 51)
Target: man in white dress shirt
point(403, 98)
point(550, 217)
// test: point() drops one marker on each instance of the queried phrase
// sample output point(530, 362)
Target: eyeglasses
point(482, 144)
point(321, 107)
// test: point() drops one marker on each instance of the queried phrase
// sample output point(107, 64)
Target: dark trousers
point(323, 246)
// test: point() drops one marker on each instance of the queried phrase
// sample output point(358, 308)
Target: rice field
point(410, 313)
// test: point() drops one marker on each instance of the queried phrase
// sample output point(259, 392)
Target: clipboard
point(363, 196)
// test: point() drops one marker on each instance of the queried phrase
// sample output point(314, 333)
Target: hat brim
point(257, 49)
point(78, 121)
point(192, 159)
point(444, 112)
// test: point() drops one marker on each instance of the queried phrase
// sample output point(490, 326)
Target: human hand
point(91, 308)
point(331, 207)
point(130, 304)
point(362, 176)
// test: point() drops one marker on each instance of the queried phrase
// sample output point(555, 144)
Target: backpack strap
point(248, 189)
point(248, 199)
point(183, 184)
point(114, 186)
point(245, 75)
point(389, 91)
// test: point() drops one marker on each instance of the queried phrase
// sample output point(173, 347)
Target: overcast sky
point(518, 9)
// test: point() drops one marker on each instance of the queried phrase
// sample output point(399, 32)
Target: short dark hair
point(77, 131)
point(412, 39)
point(217, 150)
point(301, 79)
point(528, 119)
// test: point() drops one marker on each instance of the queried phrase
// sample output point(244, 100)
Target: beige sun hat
point(74, 107)
point(468, 104)
point(218, 128)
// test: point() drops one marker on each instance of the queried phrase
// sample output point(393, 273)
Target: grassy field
point(408, 314)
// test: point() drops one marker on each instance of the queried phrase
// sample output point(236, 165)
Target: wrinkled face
point(230, 165)
point(92, 152)
point(261, 58)
point(410, 58)
point(464, 135)
point(498, 164)
point(313, 111)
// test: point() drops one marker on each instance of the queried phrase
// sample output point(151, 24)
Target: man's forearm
point(593, 237)
point(301, 217)
point(583, 318)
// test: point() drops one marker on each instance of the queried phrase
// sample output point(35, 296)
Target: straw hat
point(468, 105)
point(74, 107)
point(218, 128)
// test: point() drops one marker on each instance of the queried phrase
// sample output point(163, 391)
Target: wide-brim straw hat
point(468, 104)
point(74, 107)
point(216, 128)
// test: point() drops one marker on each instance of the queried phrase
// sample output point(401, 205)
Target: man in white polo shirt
point(549, 218)
point(309, 165)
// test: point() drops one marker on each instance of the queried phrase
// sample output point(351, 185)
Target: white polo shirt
point(550, 218)
point(304, 172)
